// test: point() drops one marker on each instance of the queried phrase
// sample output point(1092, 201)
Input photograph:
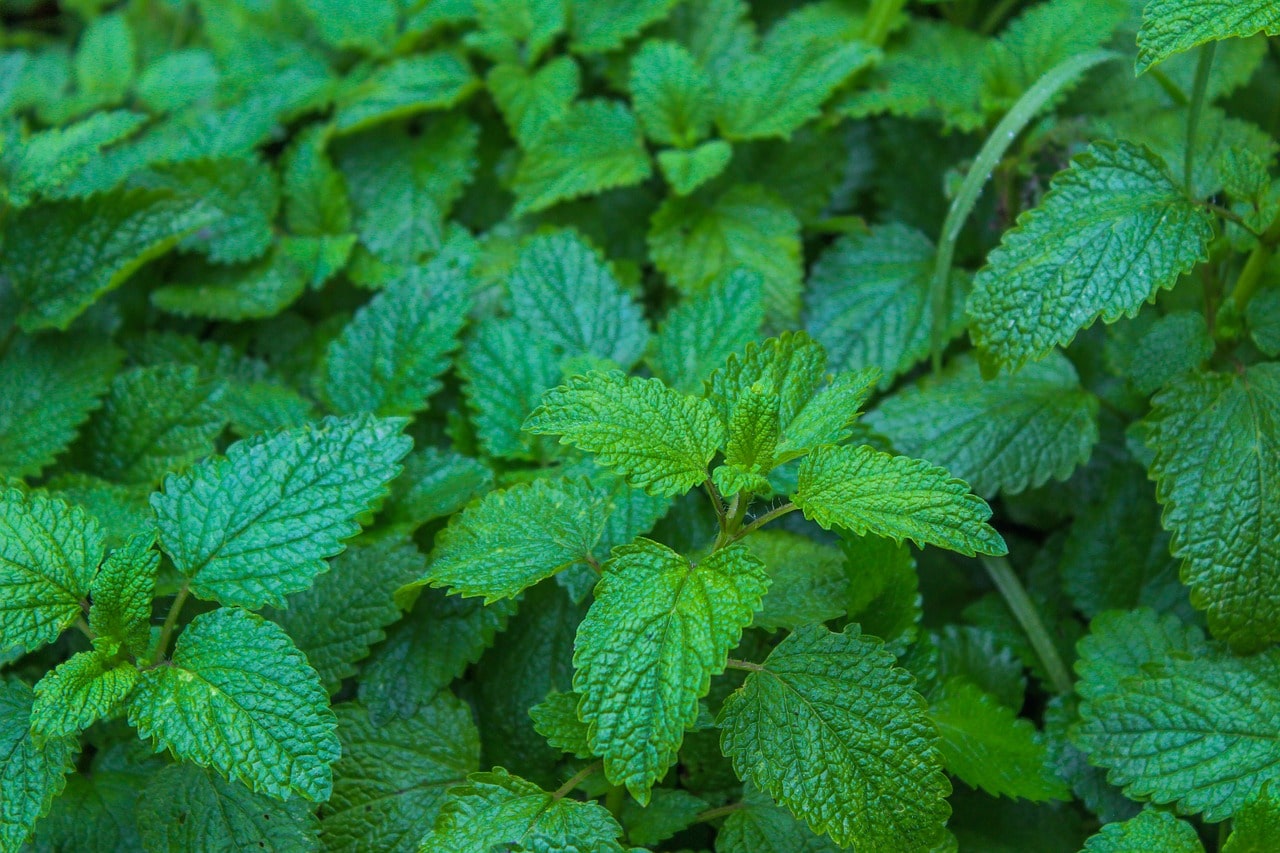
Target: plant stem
point(717, 501)
point(170, 622)
point(719, 811)
point(576, 779)
point(996, 16)
point(1251, 276)
point(83, 627)
point(776, 512)
point(880, 19)
point(1015, 595)
point(734, 663)
point(992, 151)
point(1204, 64)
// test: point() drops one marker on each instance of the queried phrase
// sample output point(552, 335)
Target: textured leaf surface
point(1112, 232)
point(241, 699)
point(1003, 435)
point(1150, 830)
point(248, 291)
point(659, 439)
point(31, 776)
point(257, 525)
point(705, 329)
point(505, 372)
point(244, 192)
point(391, 780)
point(402, 88)
point(44, 161)
point(600, 25)
point(866, 768)
point(1217, 473)
point(529, 102)
point(97, 811)
point(659, 629)
point(762, 827)
point(685, 171)
point(670, 811)
point(434, 485)
point(866, 491)
point(48, 554)
point(556, 719)
point(672, 95)
point(122, 593)
point(1256, 827)
point(1172, 26)
point(87, 687)
point(808, 582)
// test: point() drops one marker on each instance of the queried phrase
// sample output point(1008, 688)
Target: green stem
point(1032, 101)
point(1024, 610)
point(996, 16)
point(776, 512)
point(1251, 276)
point(1172, 89)
point(880, 20)
point(1204, 64)
point(83, 627)
point(748, 666)
point(719, 811)
point(576, 779)
point(171, 622)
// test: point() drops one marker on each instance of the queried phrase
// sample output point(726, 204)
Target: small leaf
point(556, 719)
point(687, 170)
point(122, 593)
point(703, 330)
point(89, 686)
point(1150, 830)
point(1256, 826)
point(671, 94)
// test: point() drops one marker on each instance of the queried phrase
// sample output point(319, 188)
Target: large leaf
point(1172, 26)
point(30, 775)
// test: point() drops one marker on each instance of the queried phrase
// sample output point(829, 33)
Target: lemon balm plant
point(532, 425)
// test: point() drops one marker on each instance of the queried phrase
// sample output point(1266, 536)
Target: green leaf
point(762, 827)
point(1172, 26)
point(565, 294)
point(154, 420)
point(254, 710)
point(337, 620)
point(697, 239)
point(868, 300)
point(190, 808)
point(671, 810)
point(250, 291)
point(988, 746)
point(1112, 232)
point(43, 162)
point(1120, 644)
point(104, 61)
point(977, 655)
point(659, 439)
point(366, 26)
point(1004, 435)
point(603, 25)
point(122, 593)
point(659, 629)
point(531, 101)
point(595, 146)
point(256, 525)
point(513, 538)
point(1150, 830)
point(97, 811)
point(315, 196)
point(704, 329)
point(52, 383)
point(1150, 354)
point(391, 780)
point(48, 554)
point(865, 491)
point(1256, 826)
point(1264, 321)
point(402, 88)
point(516, 30)
point(1217, 473)
point(883, 588)
point(858, 758)
point(387, 359)
point(671, 94)
point(89, 686)
point(505, 372)
point(556, 719)
point(753, 431)
point(685, 171)
point(62, 256)
point(807, 580)
point(496, 810)
point(31, 776)
point(434, 484)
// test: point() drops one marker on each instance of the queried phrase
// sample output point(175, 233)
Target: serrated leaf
point(190, 808)
point(52, 383)
point(867, 768)
point(87, 687)
point(517, 30)
point(1256, 826)
point(659, 439)
point(1264, 321)
point(602, 25)
point(977, 655)
point(46, 160)
point(256, 525)
point(1216, 469)
point(250, 291)
point(513, 538)
point(1120, 644)
point(367, 26)
point(807, 580)
point(1112, 232)
point(122, 511)
point(1150, 830)
point(387, 359)
point(685, 171)
point(556, 719)
point(671, 94)
point(254, 710)
point(762, 827)
point(505, 372)
point(670, 811)
point(659, 629)
point(315, 196)
point(595, 146)
point(337, 620)
point(866, 491)
point(1172, 26)
point(1150, 354)
point(402, 88)
point(31, 776)
point(496, 810)
point(530, 101)
point(434, 484)
point(704, 329)
point(391, 780)
point(62, 256)
point(48, 554)
point(883, 588)
point(122, 593)
point(1006, 435)
point(97, 811)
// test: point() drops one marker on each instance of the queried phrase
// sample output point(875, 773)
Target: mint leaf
point(670, 811)
point(762, 827)
point(865, 491)
point(31, 775)
point(602, 25)
point(49, 552)
point(687, 170)
point(1153, 353)
point(257, 712)
point(1256, 827)
point(249, 291)
point(1150, 830)
point(45, 161)
point(79, 691)
point(858, 758)
point(659, 439)
point(1074, 258)
point(517, 31)
point(97, 812)
point(530, 101)
point(505, 373)
point(883, 588)
point(1172, 26)
point(672, 95)
point(807, 580)
point(1215, 470)
point(122, 593)
point(256, 525)
point(369, 27)
point(659, 629)
point(402, 88)
point(556, 719)
point(434, 485)
point(704, 329)
point(315, 196)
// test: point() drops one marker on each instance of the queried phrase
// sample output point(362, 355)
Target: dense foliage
point(435, 425)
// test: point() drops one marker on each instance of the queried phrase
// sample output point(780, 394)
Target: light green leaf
point(671, 94)
point(256, 525)
point(48, 554)
point(704, 329)
point(62, 256)
point(685, 171)
point(1172, 26)
point(1256, 826)
point(122, 593)
point(253, 710)
point(595, 146)
point(556, 719)
point(1150, 830)
point(104, 61)
point(505, 371)
point(122, 511)
point(753, 431)
point(360, 24)
point(1112, 232)
point(402, 88)
point(530, 101)
point(1003, 435)
point(807, 580)
point(190, 808)
point(31, 776)
point(52, 383)
point(603, 25)
point(177, 79)
point(858, 758)
point(513, 538)
point(659, 629)
point(516, 31)
point(44, 161)
point(391, 780)
point(497, 810)
point(1217, 473)
point(87, 687)
point(865, 491)
point(659, 439)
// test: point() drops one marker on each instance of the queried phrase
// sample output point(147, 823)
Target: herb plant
point(586, 425)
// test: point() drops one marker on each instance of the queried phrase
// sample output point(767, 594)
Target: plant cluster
point(618, 425)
